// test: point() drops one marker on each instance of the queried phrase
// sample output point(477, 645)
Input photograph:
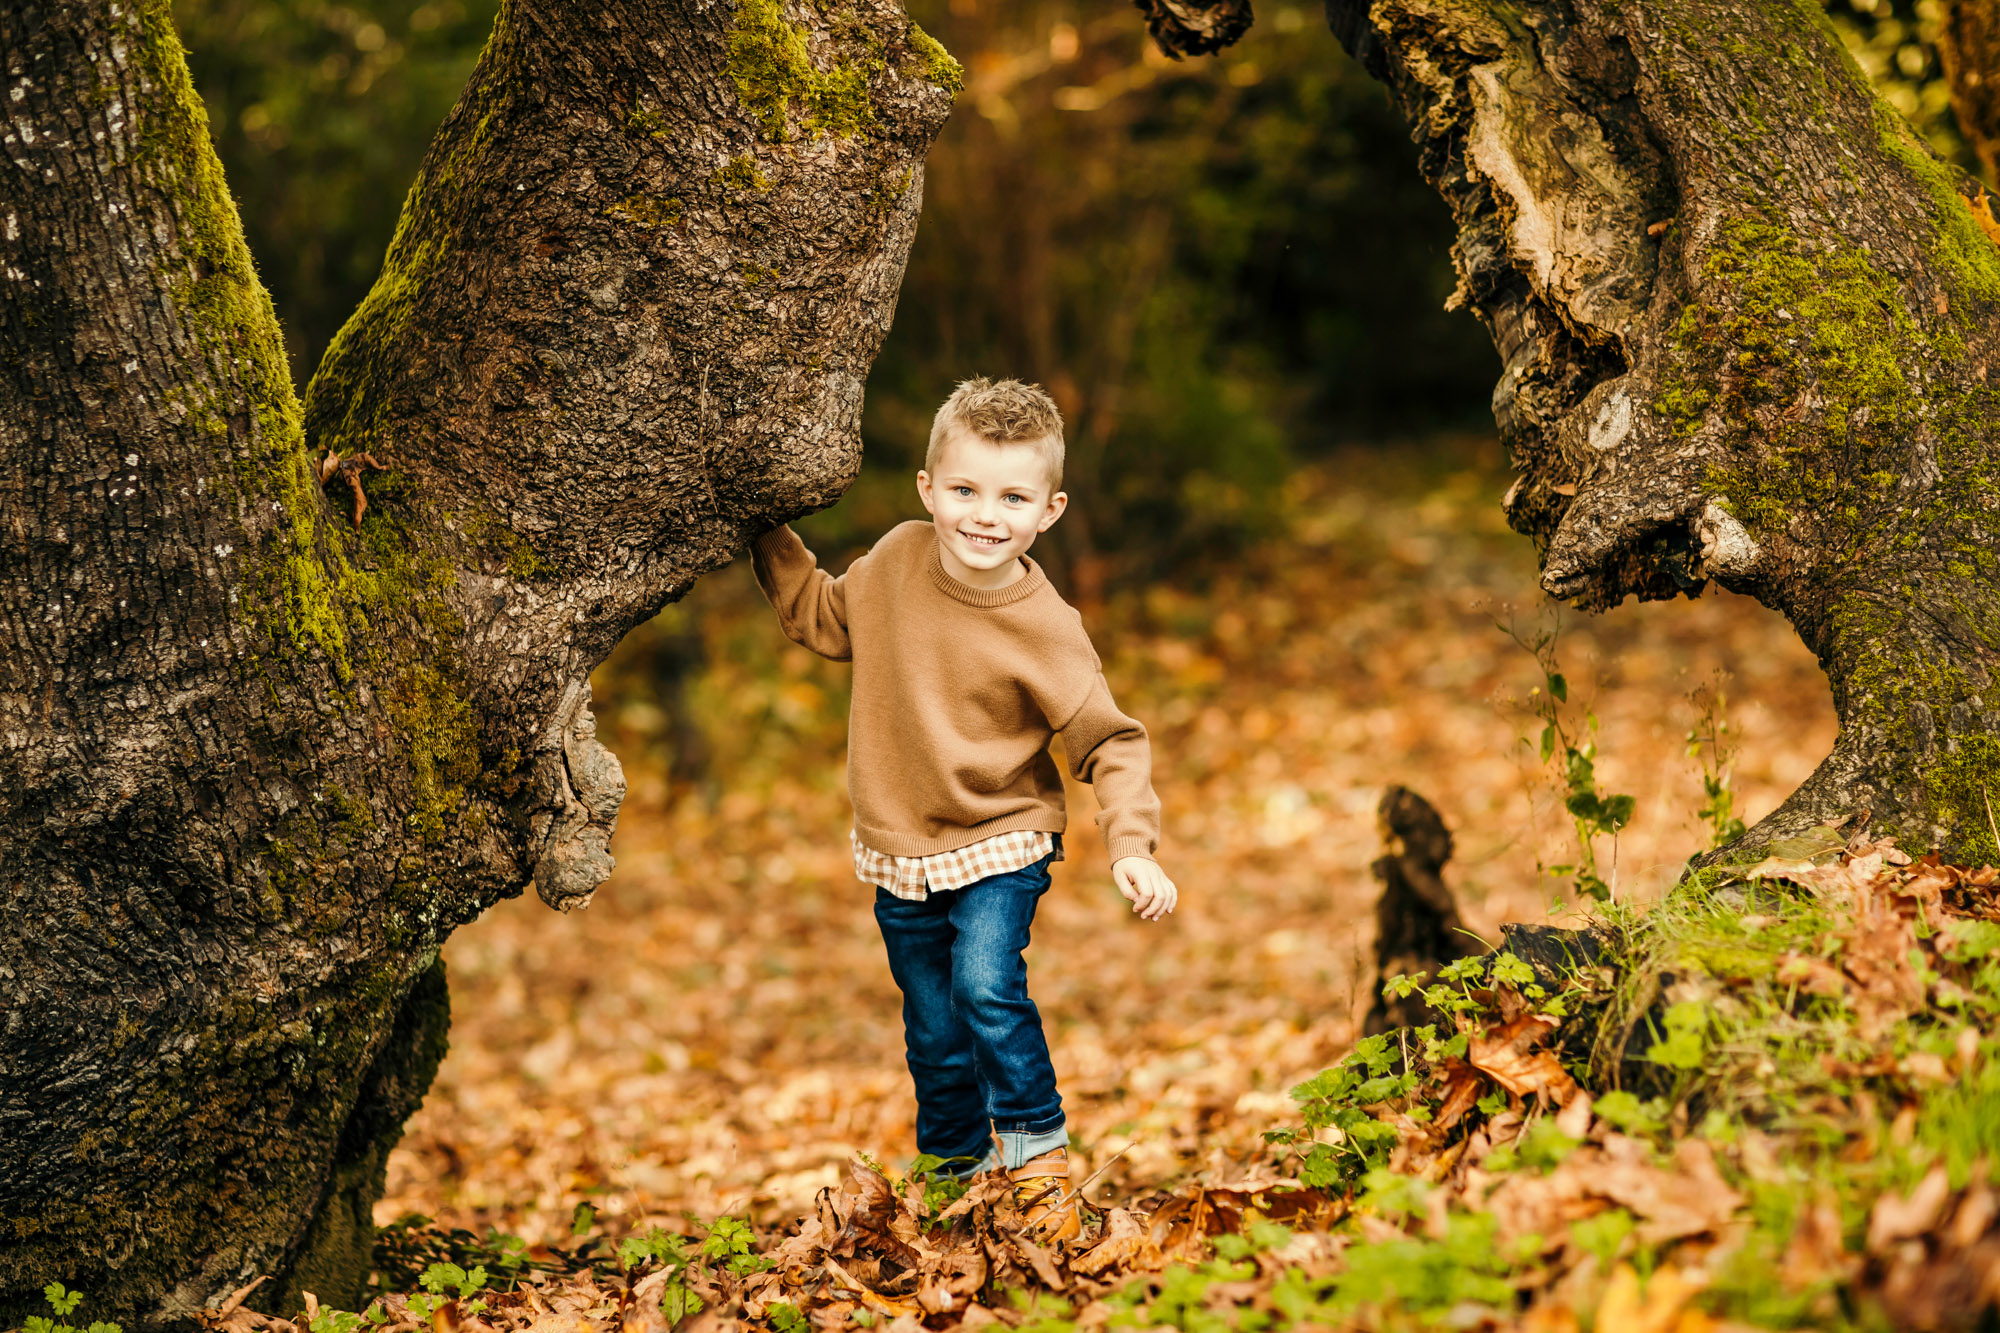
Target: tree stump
point(1417, 926)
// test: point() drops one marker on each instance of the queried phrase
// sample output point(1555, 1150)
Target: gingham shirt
point(917, 877)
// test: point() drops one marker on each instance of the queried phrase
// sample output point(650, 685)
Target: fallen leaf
point(1126, 1245)
point(1654, 1308)
point(1893, 1219)
point(1508, 1055)
point(1574, 1119)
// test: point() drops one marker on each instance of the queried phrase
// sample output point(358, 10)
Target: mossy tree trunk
point(1749, 327)
point(259, 762)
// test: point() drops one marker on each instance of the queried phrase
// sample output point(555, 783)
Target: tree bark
point(261, 760)
point(1747, 321)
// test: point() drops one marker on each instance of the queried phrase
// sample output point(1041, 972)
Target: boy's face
point(989, 502)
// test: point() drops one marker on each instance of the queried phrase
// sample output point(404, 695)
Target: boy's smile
point(988, 503)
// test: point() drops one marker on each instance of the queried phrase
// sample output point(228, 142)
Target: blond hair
point(1001, 412)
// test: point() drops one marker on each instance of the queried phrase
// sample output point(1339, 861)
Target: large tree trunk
point(258, 762)
point(1750, 333)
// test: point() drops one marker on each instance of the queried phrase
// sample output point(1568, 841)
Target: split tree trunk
point(259, 763)
point(1750, 333)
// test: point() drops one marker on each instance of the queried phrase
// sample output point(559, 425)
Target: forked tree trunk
point(1749, 327)
point(258, 763)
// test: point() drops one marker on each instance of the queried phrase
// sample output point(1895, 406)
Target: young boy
point(966, 664)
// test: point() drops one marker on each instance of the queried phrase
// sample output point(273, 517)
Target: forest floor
point(718, 1035)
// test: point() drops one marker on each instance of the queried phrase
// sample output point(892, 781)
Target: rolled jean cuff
point(1018, 1148)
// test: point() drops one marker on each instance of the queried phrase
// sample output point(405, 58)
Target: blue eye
point(1017, 499)
point(962, 490)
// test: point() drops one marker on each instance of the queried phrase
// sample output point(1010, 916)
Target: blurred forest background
point(1285, 534)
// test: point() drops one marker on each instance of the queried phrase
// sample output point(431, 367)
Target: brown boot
point(1041, 1186)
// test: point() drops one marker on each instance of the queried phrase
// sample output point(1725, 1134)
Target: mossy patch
point(647, 121)
point(741, 173)
point(939, 65)
point(1961, 249)
point(647, 210)
point(230, 315)
point(1798, 323)
point(438, 725)
point(1960, 784)
point(1842, 431)
point(771, 69)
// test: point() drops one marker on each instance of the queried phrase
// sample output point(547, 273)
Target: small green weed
point(63, 1302)
point(1568, 745)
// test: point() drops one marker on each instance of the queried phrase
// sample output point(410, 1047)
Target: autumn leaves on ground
point(692, 1080)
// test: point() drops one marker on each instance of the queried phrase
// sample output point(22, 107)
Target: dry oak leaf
point(1658, 1309)
point(1508, 1056)
point(1042, 1261)
point(874, 1300)
point(1461, 1090)
point(1527, 1204)
point(1126, 1245)
point(1815, 1250)
point(233, 1317)
point(1690, 1199)
point(1888, 989)
point(1894, 1219)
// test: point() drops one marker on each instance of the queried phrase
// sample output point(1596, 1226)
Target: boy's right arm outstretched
point(811, 604)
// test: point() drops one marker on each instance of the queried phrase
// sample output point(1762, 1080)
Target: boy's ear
point(924, 490)
point(1057, 503)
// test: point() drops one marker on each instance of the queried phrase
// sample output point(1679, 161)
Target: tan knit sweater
point(957, 693)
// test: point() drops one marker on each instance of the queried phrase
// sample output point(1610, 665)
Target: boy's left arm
point(1110, 751)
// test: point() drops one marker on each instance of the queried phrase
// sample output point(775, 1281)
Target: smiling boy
point(967, 663)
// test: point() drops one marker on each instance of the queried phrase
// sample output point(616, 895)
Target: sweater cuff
point(1130, 845)
point(776, 542)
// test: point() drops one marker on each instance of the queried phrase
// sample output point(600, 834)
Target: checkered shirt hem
point(915, 878)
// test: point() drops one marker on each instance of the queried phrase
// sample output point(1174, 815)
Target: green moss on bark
point(1960, 248)
point(1797, 323)
point(740, 173)
point(939, 65)
point(438, 725)
point(215, 284)
point(771, 69)
point(1961, 787)
point(647, 211)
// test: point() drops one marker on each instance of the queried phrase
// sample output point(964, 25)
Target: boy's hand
point(1145, 886)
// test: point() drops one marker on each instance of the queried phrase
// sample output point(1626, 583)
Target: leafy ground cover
point(1767, 1101)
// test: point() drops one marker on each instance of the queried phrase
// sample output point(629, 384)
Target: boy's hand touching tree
point(1145, 886)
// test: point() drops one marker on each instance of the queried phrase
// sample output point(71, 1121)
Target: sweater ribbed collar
point(1024, 587)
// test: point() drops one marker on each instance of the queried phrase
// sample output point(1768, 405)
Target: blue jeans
point(976, 1050)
